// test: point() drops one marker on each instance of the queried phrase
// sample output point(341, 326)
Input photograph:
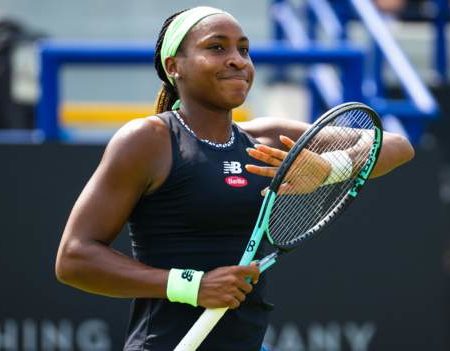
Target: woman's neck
point(213, 125)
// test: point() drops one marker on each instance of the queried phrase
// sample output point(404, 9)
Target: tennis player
point(179, 179)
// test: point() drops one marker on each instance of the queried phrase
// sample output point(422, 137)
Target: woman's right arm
point(136, 161)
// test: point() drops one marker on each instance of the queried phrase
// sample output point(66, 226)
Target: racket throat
point(268, 261)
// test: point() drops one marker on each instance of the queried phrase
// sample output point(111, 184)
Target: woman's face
point(214, 64)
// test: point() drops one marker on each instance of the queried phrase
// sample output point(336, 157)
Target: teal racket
point(321, 175)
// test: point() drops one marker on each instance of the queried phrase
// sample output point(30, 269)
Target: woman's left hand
point(270, 156)
point(308, 172)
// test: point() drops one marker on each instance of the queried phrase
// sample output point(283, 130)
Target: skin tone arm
point(395, 151)
point(127, 170)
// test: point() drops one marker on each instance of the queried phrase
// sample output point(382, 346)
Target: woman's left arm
point(395, 151)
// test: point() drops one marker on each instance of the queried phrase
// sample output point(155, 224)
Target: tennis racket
point(320, 176)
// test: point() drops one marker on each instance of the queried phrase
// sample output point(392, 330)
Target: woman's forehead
point(218, 24)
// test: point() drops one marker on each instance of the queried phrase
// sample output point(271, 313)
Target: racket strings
point(317, 212)
point(299, 201)
point(312, 146)
point(303, 203)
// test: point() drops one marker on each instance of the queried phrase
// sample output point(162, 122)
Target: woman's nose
point(236, 60)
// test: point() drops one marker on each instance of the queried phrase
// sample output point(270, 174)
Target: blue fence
point(55, 55)
point(359, 75)
point(299, 25)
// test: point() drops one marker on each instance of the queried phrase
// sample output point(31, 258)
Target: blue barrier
point(55, 54)
point(419, 106)
point(408, 77)
point(442, 13)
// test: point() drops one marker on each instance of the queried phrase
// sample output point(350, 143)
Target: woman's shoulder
point(140, 134)
point(144, 139)
point(141, 130)
point(141, 146)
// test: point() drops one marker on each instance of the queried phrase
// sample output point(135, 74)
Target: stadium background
point(384, 286)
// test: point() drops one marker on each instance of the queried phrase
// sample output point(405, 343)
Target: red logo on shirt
point(236, 181)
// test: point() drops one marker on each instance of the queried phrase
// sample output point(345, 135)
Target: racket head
point(302, 202)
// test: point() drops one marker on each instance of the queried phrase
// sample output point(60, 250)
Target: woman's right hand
point(227, 286)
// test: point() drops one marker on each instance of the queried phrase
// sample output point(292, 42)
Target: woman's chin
point(236, 99)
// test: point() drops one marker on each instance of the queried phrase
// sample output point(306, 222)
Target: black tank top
point(200, 218)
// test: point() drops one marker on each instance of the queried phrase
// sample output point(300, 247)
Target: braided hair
point(168, 93)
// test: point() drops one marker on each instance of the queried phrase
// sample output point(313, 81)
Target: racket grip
point(200, 330)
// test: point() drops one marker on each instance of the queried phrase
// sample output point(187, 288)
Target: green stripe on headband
point(178, 29)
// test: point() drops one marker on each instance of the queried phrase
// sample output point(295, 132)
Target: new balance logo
point(232, 167)
point(188, 274)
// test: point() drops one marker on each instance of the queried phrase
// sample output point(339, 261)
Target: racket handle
point(201, 328)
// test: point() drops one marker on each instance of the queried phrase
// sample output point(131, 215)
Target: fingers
point(286, 141)
point(251, 271)
point(276, 154)
point(240, 296)
point(263, 155)
point(269, 155)
point(262, 171)
point(284, 189)
point(227, 286)
point(264, 191)
point(232, 302)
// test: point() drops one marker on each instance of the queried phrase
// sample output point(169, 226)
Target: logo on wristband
point(188, 274)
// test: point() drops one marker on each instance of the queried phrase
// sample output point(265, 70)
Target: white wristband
point(183, 285)
point(341, 166)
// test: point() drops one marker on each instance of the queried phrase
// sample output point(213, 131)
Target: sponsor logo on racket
point(236, 181)
point(251, 246)
point(232, 167)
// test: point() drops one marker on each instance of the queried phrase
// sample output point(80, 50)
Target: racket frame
point(210, 317)
point(358, 182)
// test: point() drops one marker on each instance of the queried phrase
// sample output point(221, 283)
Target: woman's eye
point(216, 47)
point(244, 50)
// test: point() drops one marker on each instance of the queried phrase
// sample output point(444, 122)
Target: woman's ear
point(171, 67)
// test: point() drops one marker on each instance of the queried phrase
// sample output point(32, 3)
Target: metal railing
point(299, 47)
point(55, 55)
point(414, 111)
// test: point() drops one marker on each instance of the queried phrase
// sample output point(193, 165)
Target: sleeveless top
point(200, 218)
